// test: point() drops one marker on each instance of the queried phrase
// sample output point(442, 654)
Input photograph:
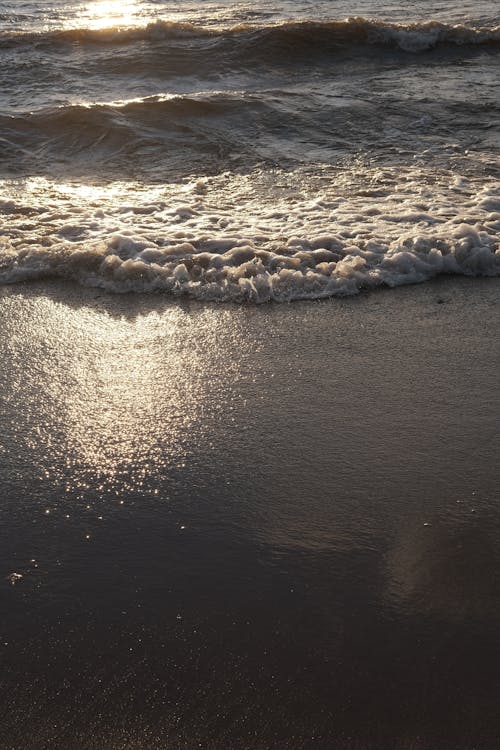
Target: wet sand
point(250, 527)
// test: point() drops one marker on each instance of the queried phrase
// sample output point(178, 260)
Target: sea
point(249, 151)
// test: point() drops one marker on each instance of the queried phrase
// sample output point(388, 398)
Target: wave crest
point(413, 37)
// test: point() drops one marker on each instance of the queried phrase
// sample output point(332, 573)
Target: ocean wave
point(292, 35)
point(151, 129)
point(181, 134)
point(245, 273)
point(146, 109)
point(234, 243)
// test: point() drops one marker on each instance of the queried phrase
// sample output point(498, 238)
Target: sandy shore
point(253, 527)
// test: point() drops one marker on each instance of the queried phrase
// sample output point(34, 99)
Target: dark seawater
point(247, 153)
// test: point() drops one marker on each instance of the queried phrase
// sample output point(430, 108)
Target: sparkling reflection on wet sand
point(249, 527)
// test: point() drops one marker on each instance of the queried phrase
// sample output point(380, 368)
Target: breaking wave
point(245, 273)
point(294, 36)
point(234, 243)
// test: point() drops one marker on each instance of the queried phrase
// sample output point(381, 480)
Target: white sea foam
point(267, 236)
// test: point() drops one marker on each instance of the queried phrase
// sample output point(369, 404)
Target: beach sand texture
point(251, 527)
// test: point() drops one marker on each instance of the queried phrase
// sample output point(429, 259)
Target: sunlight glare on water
point(116, 417)
point(109, 14)
point(105, 14)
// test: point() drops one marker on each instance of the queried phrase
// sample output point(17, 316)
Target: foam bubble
point(255, 238)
